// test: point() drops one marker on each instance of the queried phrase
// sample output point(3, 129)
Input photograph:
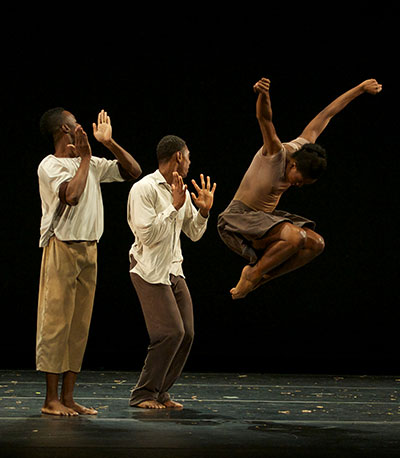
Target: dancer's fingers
point(196, 186)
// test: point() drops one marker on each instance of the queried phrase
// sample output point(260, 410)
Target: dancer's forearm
point(319, 123)
point(127, 162)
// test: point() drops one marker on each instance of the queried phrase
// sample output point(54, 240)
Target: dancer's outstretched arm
point(272, 144)
point(314, 129)
point(103, 133)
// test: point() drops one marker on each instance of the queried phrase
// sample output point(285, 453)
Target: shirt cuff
point(201, 218)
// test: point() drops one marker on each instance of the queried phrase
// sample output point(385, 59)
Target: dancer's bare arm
point(103, 133)
point(272, 144)
point(319, 123)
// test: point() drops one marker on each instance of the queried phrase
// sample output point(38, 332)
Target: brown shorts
point(238, 225)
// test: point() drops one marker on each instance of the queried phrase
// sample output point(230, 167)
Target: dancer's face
point(70, 124)
point(295, 178)
point(184, 164)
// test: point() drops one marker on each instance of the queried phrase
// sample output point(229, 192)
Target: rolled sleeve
point(52, 175)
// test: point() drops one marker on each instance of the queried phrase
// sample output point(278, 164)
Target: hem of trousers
point(51, 371)
point(135, 400)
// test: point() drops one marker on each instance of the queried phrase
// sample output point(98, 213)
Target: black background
point(192, 75)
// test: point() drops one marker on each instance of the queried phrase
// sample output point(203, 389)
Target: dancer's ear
point(65, 128)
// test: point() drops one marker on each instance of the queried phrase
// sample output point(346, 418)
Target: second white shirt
point(157, 226)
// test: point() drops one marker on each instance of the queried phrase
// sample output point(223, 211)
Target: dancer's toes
point(237, 294)
point(57, 408)
point(81, 410)
point(86, 410)
point(151, 404)
point(170, 404)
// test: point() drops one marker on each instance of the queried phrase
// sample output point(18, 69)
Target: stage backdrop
point(338, 314)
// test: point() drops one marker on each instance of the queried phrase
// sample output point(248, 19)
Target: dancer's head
point(56, 122)
point(307, 164)
point(173, 148)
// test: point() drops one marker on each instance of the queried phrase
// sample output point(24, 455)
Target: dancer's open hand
point(102, 131)
point(178, 191)
point(81, 147)
point(205, 195)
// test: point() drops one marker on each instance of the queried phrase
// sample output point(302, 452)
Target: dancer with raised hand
point(71, 226)
point(275, 242)
point(159, 209)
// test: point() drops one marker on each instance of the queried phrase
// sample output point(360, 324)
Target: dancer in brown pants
point(171, 332)
point(159, 208)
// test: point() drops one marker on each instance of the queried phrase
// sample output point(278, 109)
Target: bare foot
point(173, 404)
point(81, 410)
point(56, 408)
point(245, 285)
point(151, 404)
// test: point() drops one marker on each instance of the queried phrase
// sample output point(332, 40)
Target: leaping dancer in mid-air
point(272, 241)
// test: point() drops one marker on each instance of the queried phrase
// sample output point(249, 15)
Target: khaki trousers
point(168, 313)
point(66, 295)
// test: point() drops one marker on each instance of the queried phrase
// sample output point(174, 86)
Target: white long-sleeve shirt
point(157, 226)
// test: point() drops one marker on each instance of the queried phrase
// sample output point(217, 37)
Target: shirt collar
point(159, 177)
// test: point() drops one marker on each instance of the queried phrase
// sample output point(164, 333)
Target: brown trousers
point(66, 294)
point(168, 313)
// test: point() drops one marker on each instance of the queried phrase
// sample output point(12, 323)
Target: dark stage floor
point(235, 415)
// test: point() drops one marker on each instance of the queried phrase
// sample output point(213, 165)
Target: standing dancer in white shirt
point(159, 208)
point(71, 226)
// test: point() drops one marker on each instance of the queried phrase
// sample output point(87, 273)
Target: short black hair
point(51, 121)
point(311, 160)
point(168, 146)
